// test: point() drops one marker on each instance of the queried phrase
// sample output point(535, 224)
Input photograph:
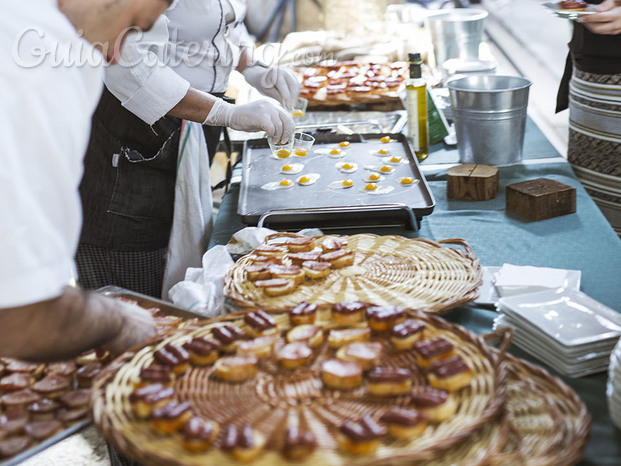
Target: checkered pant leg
point(141, 272)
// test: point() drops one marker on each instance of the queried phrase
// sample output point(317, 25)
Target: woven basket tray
point(551, 422)
point(388, 270)
point(276, 399)
point(544, 423)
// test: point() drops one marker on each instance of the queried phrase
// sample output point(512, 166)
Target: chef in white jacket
point(176, 71)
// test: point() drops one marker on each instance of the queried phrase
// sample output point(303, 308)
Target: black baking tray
point(112, 291)
point(320, 206)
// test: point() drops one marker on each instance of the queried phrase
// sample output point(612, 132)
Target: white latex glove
point(279, 83)
point(260, 115)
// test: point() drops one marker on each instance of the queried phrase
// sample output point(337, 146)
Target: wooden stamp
point(472, 182)
point(541, 198)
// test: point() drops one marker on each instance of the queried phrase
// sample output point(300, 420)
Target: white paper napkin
point(202, 290)
point(247, 239)
point(513, 279)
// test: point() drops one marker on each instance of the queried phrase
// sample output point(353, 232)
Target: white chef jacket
point(45, 119)
point(195, 43)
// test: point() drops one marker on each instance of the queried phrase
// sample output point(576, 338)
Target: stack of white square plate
point(613, 389)
point(564, 328)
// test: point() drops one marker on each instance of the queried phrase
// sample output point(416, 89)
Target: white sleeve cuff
point(158, 95)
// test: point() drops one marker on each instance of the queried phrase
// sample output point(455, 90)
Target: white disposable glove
point(279, 83)
point(260, 115)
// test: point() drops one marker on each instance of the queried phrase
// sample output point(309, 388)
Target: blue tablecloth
point(581, 241)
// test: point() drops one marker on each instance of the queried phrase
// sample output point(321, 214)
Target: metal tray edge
point(149, 301)
point(40, 447)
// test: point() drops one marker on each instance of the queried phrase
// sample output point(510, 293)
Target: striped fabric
point(595, 139)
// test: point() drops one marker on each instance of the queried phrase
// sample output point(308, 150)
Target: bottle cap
point(415, 57)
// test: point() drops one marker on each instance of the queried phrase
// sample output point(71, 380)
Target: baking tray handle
point(342, 217)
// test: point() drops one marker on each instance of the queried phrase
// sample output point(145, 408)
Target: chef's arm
point(76, 321)
point(150, 90)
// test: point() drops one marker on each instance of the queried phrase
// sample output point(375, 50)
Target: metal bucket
point(490, 116)
point(456, 33)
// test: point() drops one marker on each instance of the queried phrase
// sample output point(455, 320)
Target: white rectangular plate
point(566, 315)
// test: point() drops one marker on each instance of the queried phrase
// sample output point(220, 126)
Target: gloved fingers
point(272, 130)
point(288, 125)
point(289, 87)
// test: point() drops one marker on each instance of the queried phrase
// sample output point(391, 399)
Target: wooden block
point(472, 182)
point(541, 198)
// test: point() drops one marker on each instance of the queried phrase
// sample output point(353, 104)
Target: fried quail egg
point(395, 160)
point(386, 139)
point(281, 154)
point(407, 181)
point(342, 184)
point(374, 188)
point(344, 144)
point(373, 177)
point(347, 167)
point(337, 153)
point(282, 184)
point(332, 152)
point(380, 152)
point(291, 168)
point(383, 190)
point(383, 169)
point(307, 180)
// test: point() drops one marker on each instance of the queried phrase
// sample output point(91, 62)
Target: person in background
point(591, 88)
point(50, 82)
point(177, 71)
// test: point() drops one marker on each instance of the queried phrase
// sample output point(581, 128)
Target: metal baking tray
point(357, 122)
point(148, 302)
point(39, 447)
point(320, 206)
point(112, 291)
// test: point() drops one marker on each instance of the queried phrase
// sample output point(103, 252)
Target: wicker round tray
point(550, 421)
point(388, 270)
point(543, 423)
point(276, 398)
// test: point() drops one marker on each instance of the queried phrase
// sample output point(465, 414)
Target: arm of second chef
point(149, 88)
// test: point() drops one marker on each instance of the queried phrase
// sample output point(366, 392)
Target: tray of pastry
point(331, 184)
point(386, 270)
point(42, 404)
point(332, 84)
point(345, 384)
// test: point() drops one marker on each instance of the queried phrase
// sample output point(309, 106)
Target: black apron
point(128, 187)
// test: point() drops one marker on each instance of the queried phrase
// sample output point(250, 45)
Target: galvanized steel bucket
point(456, 33)
point(490, 117)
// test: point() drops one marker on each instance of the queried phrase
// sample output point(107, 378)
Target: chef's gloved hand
point(279, 83)
point(260, 115)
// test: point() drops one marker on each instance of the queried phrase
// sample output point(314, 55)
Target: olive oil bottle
point(416, 99)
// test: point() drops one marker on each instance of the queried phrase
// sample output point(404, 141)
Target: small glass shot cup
point(302, 143)
point(281, 151)
point(299, 108)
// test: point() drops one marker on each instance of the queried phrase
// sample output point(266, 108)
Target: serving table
point(581, 241)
